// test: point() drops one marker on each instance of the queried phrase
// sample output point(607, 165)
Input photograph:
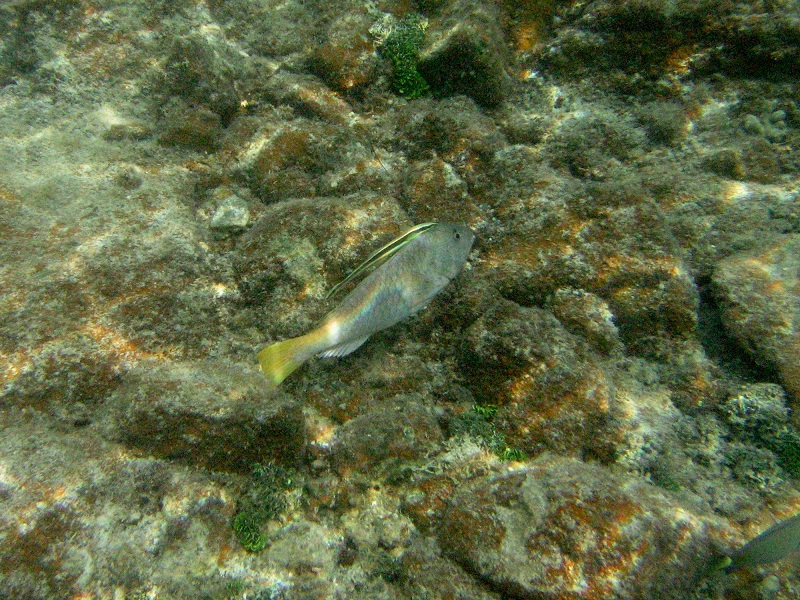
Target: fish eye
point(456, 234)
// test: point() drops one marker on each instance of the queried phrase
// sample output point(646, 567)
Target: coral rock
point(560, 528)
point(216, 415)
point(759, 295)
point(403, 430)
point(553, 393)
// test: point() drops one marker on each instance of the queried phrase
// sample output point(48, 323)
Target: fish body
point(397, 289)
point(772, 545)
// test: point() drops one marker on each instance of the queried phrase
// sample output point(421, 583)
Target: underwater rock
point(591, 146)
point(90, 507)
point(551, 392)
point(725, 162)
point(435, 192)
point(560, 528)
point(209, 413)
point(69, 379)
point(303, 547)
point(194, 128)
point(759, 296)
point(347, 61)
point(587, 315)
point(597, 243)
point(665, 122)
point(311, 97)
point(231, 216)
point(654, 38)
point(424, 570)
point(287, 159)
point(762, 161)
point(464, 53)
point(401, 430)
point(203, 69)
point(750, 221)
point(649, 37)
point(606, 162)
point(454, 130)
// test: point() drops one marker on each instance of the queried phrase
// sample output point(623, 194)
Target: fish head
point(452, 243)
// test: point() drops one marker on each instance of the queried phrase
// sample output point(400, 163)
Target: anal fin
point(343, 349)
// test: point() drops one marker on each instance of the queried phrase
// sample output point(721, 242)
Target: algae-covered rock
point(560, 527)
point(465, 54)
point(402, 430)
point(589, 410)
point(212, 414)
point(93, 511)
point(657, 38)
point(347, 60)
point(759, 294)
point(202, 68)
point(435, 192)
point(552, 392)
point(231, 216)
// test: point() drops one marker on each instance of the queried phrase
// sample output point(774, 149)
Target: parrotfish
point(408, 272)
point(777, 542)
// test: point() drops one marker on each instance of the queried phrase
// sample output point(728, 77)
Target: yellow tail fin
point(281, 359)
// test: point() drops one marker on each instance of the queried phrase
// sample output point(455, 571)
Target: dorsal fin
point(381, 255)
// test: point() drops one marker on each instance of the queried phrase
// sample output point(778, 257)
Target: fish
point(408, 272)
point(381, 255)
point(776, 543)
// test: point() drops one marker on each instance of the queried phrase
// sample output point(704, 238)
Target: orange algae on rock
point(560, 528)
point(550, 389)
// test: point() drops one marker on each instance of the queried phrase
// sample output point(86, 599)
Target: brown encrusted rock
point(284, 159)
point(310, 96)
point(561, 528)
point(400, 430)
point(435, 192)
point(67, 378)
point(203, 69)
point(614, 245)
point(455, 130)
point(428, 574)
point(750, 219)
point(465, 53)
point(659, 37)
point(73, 504)
point(347, 60)
point(759, 294)
point(194, 128)
point(588, 315)
point(217, 415)
point(551, 390)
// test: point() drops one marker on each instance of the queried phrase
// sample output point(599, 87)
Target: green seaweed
point(263, 501)
point(401, 47)
point(247, 527)
point(478, 425)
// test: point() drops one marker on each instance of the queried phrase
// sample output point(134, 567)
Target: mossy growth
point(785, 443)
point(262, 501)
point(402, 47)
point(478, 425)
point(758, 416)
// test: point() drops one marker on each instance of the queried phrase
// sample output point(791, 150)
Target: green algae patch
point(402, 47)
point(264, 500)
